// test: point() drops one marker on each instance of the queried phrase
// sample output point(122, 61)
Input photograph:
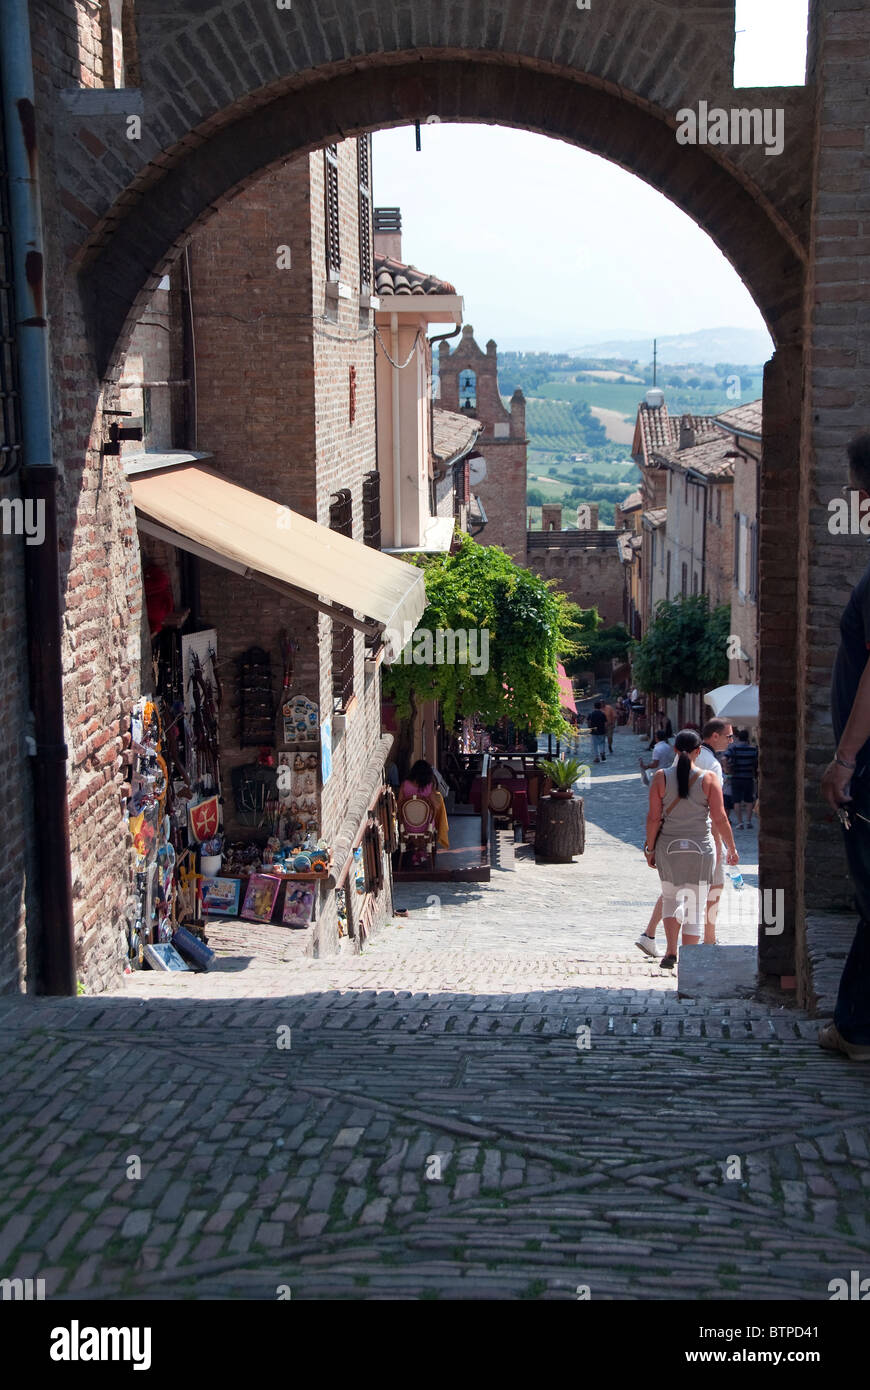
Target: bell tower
point(469, 385)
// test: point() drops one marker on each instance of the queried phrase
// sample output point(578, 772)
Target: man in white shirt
point(662, 756)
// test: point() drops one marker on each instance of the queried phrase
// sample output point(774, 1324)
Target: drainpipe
point(397, 450)
point(47, 748)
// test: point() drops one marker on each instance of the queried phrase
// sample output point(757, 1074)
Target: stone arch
point(144, 228)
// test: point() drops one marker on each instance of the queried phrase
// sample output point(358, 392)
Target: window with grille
point(10, 400)
point(364, 164)
point(753, 562)
point(371, 509)
point(341, 520)
point(685, 587)
point(333, 227)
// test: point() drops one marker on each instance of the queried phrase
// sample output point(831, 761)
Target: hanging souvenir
point(204, 819)
point(300, 718)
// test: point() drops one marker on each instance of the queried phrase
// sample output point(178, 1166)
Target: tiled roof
point(631, 503)
point(746, 419)
point(453, 435)
point(656, 430)
point(707, 459)
point(395, 278)
point(624, 547)
point(656, 518)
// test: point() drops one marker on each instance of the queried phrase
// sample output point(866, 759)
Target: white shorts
point(691, 901)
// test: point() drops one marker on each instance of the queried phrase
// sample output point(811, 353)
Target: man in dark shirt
point(846, 786)
point(741, 762)
point(598, 725)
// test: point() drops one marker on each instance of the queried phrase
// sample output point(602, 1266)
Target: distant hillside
point(708, 346)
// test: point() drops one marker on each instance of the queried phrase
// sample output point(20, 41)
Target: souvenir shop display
point(300, 905)
point(256, 701)
point(260, 898)
point(193, 948)
point(163, 956)
point(300, 719)
point(297, 789)
point(220, 896)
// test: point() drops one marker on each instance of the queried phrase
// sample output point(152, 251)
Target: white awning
point(198, 510)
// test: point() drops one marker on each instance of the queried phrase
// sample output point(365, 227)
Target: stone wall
point(592, 578)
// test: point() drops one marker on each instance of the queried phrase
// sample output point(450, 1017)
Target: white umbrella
point(734, 701)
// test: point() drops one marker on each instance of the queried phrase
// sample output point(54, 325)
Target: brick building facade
point(225, 96)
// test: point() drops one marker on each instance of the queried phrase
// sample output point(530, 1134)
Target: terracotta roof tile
point(453, 435)
point(708, 459)
point(745, 419)
point(657, 517)
point(656, 430)
point(393, 277)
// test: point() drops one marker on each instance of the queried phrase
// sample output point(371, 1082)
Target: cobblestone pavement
point(434, 1126)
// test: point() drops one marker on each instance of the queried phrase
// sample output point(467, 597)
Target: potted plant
point(563, 775)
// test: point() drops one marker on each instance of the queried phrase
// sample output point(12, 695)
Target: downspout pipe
point(397, 442)
point(48, 751)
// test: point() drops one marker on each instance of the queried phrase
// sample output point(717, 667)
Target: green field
point(626, 399)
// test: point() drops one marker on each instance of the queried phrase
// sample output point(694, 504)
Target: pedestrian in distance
point(846, 785)
point(610, 716)
point(685, 803)
point(662, 756)
point(598, 727)
point(741, 760)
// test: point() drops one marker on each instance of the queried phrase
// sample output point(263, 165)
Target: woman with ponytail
point(685, 804)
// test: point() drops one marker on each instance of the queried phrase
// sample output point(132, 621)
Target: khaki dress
point(685, 850)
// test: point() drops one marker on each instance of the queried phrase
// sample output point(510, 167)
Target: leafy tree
point(531, 627)
point(685, 649)
point(534, 497)
point(600, 644)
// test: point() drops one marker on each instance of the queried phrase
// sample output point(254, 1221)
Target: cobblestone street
point(434, 1130)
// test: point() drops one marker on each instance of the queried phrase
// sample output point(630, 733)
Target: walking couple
point(689, 840)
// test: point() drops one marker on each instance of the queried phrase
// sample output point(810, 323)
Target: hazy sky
point(547, 242)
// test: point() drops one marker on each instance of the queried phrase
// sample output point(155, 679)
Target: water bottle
point(736, 878)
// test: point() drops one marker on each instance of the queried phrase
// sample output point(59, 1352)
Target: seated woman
point(421, 782)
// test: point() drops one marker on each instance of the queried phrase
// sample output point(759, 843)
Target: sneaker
point(668, 962)
point(647, 945)
point(832, 1040)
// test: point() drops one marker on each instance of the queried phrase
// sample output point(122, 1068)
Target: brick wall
point(592, 578)
point(273, 381)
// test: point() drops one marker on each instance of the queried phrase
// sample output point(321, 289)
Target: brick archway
point(143, 231)
point(228, 92)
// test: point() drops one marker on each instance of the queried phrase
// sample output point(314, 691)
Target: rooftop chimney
point(388, 232)
point(687, 432)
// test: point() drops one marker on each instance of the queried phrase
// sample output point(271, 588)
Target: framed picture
point(300, 904)
point(260, 897)
point(220, 896)
point(162, 955)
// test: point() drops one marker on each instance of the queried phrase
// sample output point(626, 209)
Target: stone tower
point(469, 383)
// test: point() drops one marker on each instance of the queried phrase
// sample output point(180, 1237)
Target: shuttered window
point(341, 520)
point(364, 164)
point(371, 509)
point(333, 229)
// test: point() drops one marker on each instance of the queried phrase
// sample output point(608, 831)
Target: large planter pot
point(563, 796)
point(560, 828)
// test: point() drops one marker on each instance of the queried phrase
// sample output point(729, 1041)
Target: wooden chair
point(501, 800)
point(417, 829)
